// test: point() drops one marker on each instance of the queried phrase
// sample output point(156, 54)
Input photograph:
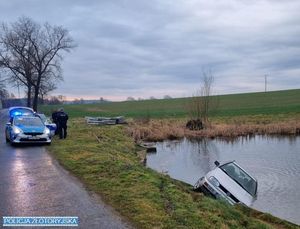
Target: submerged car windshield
point(241, 177)
point(28, 121)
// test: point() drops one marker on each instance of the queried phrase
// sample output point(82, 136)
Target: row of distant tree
point(50, 100)
point(30, 58)
point(130, 98)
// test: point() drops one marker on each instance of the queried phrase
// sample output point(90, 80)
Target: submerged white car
point(230, 182)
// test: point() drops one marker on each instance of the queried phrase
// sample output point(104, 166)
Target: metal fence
point(105, 120)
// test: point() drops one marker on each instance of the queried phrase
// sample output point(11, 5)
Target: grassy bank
point(105, 159)
point(276, 103)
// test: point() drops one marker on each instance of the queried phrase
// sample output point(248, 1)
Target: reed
point(158, 130)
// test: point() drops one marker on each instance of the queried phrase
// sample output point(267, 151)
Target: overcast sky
point(144, 48)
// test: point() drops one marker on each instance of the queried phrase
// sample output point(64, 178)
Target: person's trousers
point(62, 130)
point(57, 127)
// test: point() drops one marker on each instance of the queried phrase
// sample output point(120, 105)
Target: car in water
point(230, 182)
point(50, 125)
point(27, 129)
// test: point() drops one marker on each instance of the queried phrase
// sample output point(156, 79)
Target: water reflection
point(18, 173)
point(274, 161)
point(174, 157)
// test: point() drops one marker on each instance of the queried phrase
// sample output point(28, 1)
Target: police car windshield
point(28, 121)
point(43, 117)
point(241, 177)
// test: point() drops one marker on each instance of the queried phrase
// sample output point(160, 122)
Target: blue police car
point(25, 127)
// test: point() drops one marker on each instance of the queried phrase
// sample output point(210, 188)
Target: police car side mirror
point(217, 163)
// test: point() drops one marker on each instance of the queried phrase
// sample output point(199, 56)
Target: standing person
point(54, 120)
point(62, 119)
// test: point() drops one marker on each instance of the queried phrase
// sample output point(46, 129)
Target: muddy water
point(274, 162)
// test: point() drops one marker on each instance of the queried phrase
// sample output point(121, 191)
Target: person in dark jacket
point(62, 119)
point(54, 120)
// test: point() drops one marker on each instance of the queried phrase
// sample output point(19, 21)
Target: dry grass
point(158, 130)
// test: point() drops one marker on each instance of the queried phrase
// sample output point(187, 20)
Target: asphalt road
point(32, 183)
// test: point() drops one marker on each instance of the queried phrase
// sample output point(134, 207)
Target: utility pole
point(266, 82)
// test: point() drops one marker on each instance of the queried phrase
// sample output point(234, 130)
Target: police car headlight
point(16, 130)
point(214, 181)
point(46, 131)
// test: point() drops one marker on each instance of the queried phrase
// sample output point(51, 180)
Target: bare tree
point(167, 97)
point(31, 53)
point(14, 52)
point(46, 88)
point(202, 104)
point(2, 83)
point(130, 98)
point(54, 100)
point(3, 92)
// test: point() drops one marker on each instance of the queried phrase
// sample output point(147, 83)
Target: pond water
point(273, 161)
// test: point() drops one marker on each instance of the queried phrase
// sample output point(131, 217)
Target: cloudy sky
point(144, 48)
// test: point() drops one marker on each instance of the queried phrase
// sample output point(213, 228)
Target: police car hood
point(232, 186)
point(31, 129)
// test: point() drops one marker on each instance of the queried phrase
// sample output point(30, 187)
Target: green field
point(270, 103)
